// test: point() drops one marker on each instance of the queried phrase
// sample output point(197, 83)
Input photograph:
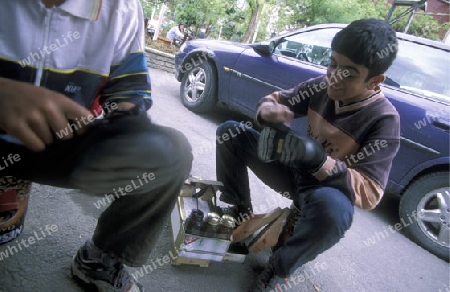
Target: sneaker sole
point(101, 286)
point(262, 240)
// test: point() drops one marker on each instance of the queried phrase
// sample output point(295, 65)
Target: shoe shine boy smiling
point(343, 160)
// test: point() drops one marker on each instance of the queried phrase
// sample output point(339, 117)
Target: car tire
point(425, 213)
point(198, 89)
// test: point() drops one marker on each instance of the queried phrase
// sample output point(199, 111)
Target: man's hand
point(34, 114)
point(273, 112)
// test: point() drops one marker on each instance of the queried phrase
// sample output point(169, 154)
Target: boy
point(353, 136)
point(75, 53)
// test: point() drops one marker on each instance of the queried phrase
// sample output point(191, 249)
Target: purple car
point(234, 75)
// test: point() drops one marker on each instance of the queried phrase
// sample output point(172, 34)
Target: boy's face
point(347, 80)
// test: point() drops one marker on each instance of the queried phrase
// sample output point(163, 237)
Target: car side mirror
point(264, 48)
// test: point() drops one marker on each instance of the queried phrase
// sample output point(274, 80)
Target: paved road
point(369, 258)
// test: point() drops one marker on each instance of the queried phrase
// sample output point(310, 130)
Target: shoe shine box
point(198, 248)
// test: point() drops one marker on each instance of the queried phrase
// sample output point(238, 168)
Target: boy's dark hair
point(369, 42)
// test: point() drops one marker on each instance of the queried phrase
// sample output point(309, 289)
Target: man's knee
point(173, 143)
point(165, 148)
point(162, 152)
point(157, 148)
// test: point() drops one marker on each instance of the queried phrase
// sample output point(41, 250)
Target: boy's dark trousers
point(326, 212)
point(153, 161)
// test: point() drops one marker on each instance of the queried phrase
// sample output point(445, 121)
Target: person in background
point(176, 32)
point(152, 25)
point(348, 116)
point(202, 33)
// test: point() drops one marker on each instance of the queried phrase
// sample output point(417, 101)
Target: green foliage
point(234, 26)
point(236, 20)
point(160, 46)
point(422, 25)
point(149, 5)
point(309, 12)
point(234, 16)
point(199, 12)
point(294, 14)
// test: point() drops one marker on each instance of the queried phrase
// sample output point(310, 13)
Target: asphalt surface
point(363, 260)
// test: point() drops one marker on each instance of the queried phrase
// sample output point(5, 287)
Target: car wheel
point(198, 90)
point(425, 213)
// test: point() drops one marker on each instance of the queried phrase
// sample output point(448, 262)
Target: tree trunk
point(253, 21)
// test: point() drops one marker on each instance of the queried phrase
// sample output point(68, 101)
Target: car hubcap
point(195, 85)
point(434, 216)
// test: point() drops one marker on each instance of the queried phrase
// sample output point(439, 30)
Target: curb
point(160, 60)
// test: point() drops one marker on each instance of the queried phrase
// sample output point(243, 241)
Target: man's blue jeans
point(326, 212)
point(140, 165)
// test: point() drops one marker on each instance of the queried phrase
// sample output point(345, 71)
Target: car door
point(417, 85)
point(302, 55)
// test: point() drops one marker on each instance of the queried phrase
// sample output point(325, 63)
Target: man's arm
point(129, 81)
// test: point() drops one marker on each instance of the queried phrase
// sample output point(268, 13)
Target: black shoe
point(267, 280)
point(93, 267)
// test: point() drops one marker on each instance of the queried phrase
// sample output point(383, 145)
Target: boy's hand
point(273, 112)
point(34, 114)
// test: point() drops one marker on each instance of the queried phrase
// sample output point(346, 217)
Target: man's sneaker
point(268, 237)
point(250, 226)
point(288, 229)
point(267, 280)
point(93, 267)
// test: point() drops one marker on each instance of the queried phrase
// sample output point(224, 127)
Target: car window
point(422, 69)
point(312, 46)
point(418, 68)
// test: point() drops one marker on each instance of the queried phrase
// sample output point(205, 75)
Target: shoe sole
point(286, 233)
point(101, 286)
point(240, 235)
point(262, 240)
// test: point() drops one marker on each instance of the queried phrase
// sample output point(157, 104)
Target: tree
point(255, 7)
point(199, 12)
point(296, 13)
point(149, 5)
point(422, 25)
point(233, 23)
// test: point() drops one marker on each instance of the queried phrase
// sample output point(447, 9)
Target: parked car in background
point(234, 75)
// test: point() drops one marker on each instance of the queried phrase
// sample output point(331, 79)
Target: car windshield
point(418, 68)
point(312, 46)
point(422, 69)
